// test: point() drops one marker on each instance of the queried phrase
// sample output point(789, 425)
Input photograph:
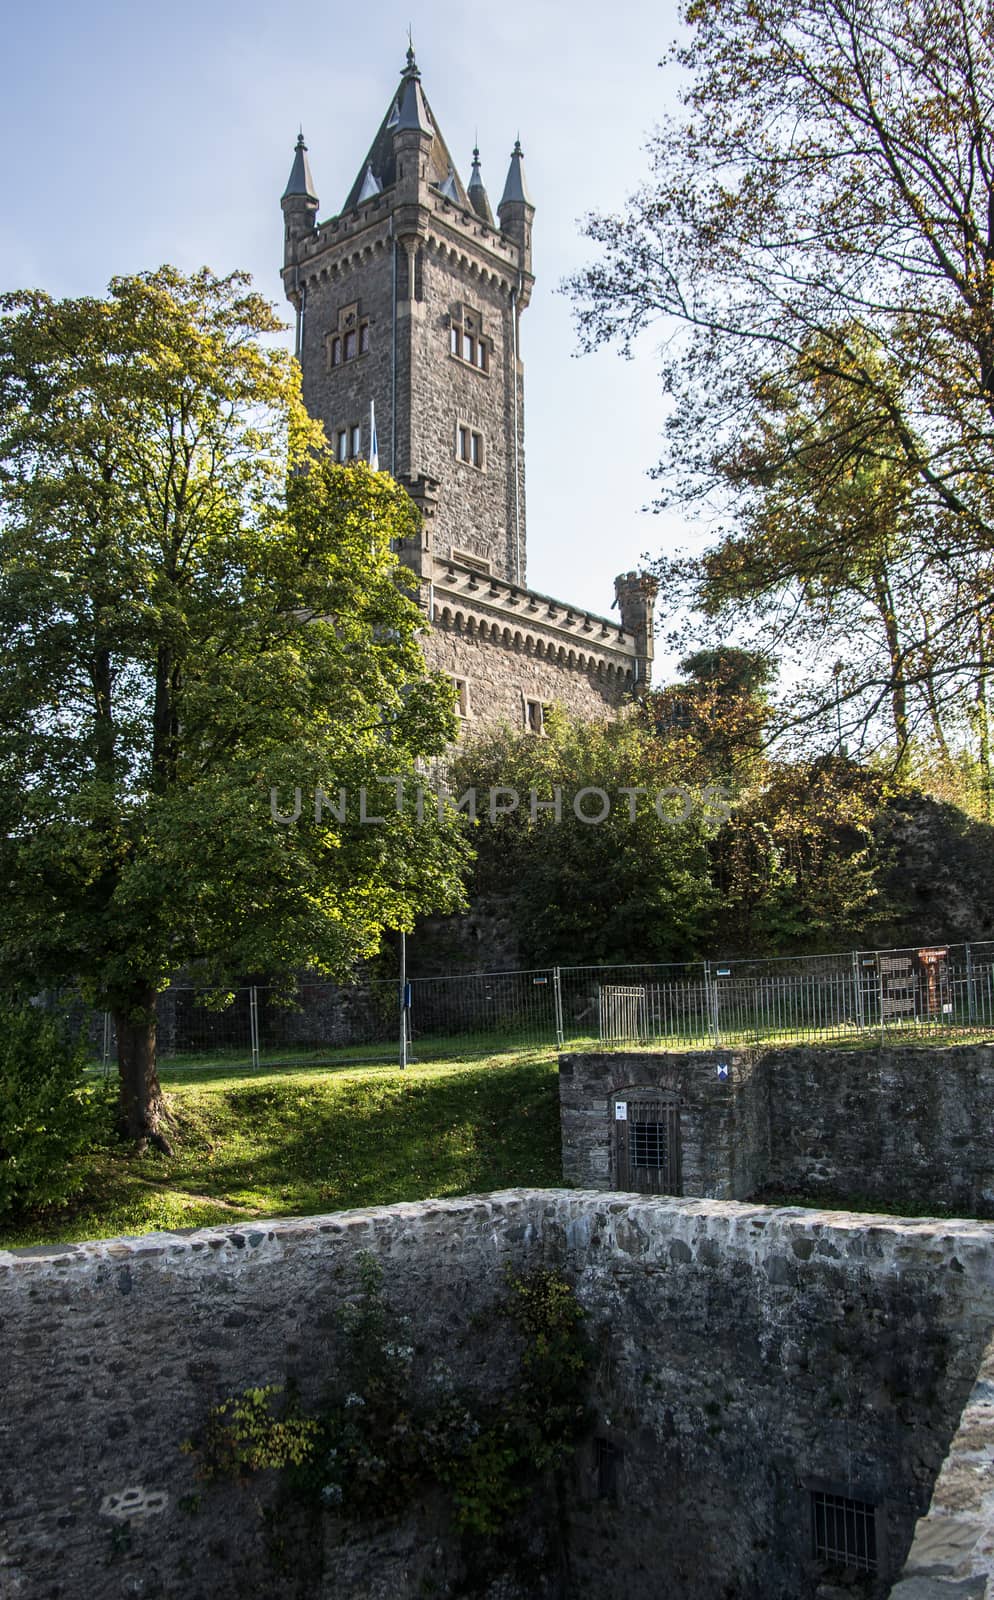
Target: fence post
point(857, 982)
point(106, 1050)
point(404, 1002)
point(557, 990)
point(711, 990)
point(254, 1024)
point(971, 998)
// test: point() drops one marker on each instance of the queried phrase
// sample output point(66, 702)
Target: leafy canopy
point(196, 605)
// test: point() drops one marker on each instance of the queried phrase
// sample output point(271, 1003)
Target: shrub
point(48, 1114)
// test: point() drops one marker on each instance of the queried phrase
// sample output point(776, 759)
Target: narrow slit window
point(476, 449)
point(454, 340)
point(535, 716)
point(336, 352)
point(342, 447)
point(350, 345)
point(355, 440)
point(606, 1463)
point(461, 687)
point(364, 338)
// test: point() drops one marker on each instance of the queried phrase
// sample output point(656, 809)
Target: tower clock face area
point(410, 300)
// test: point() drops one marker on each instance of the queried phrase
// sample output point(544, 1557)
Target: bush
point(48, 1114)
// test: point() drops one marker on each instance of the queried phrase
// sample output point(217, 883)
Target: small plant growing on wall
point(384, 1440)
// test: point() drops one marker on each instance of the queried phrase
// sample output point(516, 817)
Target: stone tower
point(412, 298)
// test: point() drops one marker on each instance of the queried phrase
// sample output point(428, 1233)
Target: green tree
point(800, 865)
point(823, 212)
point(196, 608)
point(632, 887)
point(714, 721)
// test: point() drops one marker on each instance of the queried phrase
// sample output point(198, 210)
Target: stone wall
point(953, 1548)
point(113, 1353)
point(752, 1357)
point(908, 1128)
point(476, 509)
point(502, 676)
point(724, 1120)
point(743, 1357)
point(897, 1128)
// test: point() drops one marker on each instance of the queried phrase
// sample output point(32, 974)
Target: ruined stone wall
point(742, 1356)
point(907, 1128)
point(113, 1353)
point(896, 1128)
point(750, 1358)
point(952, 1552)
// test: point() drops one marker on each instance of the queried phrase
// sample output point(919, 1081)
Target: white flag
point(374, 449)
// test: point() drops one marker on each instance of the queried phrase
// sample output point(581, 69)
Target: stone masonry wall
point(501, 677)
point(340, 396)
point(724, 1121)
point(743, 1356)
point(476, 504)
point(748, 1358)
point(898, 1128)
point(953, 1548)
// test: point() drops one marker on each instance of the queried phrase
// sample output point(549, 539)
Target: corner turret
point(299, 201)
point(413, 135)
point(516, 211)
point(635, 597)
point(477, 193)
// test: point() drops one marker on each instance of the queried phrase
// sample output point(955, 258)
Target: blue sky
point(139, 132)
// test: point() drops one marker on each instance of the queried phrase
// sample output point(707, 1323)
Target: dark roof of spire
point(477, 193)
point(515, 188)
point(409, 108)
point(300, 180)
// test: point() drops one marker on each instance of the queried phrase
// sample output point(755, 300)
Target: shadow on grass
point(301, 1142)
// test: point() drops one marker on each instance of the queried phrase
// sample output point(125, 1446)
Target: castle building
point(411, 298)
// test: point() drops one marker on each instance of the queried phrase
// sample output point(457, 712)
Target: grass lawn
point(266, 1143)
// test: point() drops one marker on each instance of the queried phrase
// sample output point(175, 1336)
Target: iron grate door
point(648, 1147)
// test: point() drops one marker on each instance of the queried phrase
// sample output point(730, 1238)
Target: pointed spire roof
point(515, 189)
point(477, 193)
point(300, 181)
point(409, 108)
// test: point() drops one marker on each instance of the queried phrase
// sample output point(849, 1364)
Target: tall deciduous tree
point(826, 207)
point(196, 608)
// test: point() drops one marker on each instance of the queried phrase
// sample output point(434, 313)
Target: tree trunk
point(983, 721)
point(141, 1108)
point(898, 685)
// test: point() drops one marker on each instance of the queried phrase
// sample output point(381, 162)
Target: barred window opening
point(845, 1531)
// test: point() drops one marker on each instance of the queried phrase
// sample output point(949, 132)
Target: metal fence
point(930, 991)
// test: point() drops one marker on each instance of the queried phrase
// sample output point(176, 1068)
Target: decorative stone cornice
point(474, 602)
